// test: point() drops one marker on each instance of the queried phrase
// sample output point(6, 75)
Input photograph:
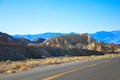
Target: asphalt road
point(107, 69)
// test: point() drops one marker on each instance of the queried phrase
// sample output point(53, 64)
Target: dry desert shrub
point(11, 71)
point(3, 66)
point(23, 68)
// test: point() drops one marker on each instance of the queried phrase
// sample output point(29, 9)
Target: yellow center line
point(70, 71)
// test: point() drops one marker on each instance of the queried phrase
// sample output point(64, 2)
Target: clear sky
point(40, 16)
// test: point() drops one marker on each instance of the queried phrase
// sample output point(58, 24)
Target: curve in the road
point(73, 70)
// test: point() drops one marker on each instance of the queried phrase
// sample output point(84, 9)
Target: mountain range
point(68, 44)
point(103, 36)
point(44, 36)
point(21, 48)
point(107, 37)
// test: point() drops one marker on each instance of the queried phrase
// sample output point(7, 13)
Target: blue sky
point(39, 16)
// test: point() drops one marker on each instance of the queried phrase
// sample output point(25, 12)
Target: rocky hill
point(70, 41)
point(5, 38)
point(81, 41)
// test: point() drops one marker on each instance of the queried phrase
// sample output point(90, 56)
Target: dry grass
point(23, 68)
point(10, 71)
point(18, 66)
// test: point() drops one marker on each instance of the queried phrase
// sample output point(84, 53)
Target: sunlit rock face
point(81, 41)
